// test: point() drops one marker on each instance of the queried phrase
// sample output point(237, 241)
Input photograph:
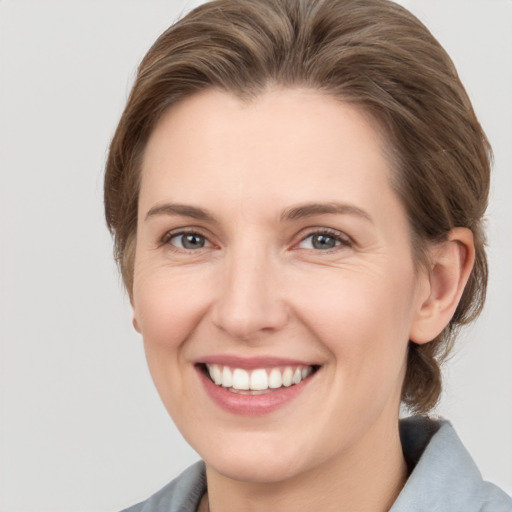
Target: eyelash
point(341, 240)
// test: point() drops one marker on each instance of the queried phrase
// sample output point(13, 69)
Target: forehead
point(282, 136)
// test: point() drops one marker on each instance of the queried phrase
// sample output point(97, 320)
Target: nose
point(250, 301)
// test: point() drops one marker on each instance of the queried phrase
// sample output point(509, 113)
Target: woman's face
point(272, 250)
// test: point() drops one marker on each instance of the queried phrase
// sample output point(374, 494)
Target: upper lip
point(250, 363)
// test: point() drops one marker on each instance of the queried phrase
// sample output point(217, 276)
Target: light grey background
point(82, 429)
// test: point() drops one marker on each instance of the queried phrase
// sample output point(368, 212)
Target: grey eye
point(189, 241)
point(321, 242)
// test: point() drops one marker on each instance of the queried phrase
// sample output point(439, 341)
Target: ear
point(450, 265)
point(135, 322)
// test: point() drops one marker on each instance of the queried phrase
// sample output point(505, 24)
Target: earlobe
point(451, 263)
point(135, 323)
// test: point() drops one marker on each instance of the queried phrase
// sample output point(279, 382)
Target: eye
point(187, 241)
point(323, 241)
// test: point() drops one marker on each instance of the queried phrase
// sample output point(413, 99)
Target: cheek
point(168, 309)
point(167, 306)
point(362, 318)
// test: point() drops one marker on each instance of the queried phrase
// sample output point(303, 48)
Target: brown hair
point(372, 53)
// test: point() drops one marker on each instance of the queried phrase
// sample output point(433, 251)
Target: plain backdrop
point(82, 429)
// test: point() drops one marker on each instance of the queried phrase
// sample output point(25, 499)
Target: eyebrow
point(180, 209)
point(295, 213)
point(332, 208)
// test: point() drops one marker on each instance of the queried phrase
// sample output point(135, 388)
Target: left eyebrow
point(332, 208)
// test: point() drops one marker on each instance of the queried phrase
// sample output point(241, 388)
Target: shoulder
point(443, 475)
point(183, 494)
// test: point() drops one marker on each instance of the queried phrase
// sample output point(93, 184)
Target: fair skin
point(269, 237)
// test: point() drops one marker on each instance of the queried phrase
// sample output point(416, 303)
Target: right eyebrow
point(184, 210)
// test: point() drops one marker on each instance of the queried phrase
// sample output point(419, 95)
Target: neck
point(368, 479)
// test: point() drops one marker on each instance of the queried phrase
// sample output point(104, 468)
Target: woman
point(296, 191)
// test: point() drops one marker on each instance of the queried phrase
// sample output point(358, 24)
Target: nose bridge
point(249, 301)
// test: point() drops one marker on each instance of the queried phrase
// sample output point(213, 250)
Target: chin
point(255, 470)
point(258, 459)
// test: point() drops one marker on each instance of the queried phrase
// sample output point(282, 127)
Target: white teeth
point(227, 378)
point(215, 374)
point(240, 379)
point(274, 379)
point(258, 380)
point(287, 376)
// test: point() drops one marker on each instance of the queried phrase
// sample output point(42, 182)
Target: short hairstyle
point(370, 53)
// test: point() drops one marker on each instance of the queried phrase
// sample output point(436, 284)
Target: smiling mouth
point(257, 381)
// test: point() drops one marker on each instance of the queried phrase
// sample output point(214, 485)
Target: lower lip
point(251, 405)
